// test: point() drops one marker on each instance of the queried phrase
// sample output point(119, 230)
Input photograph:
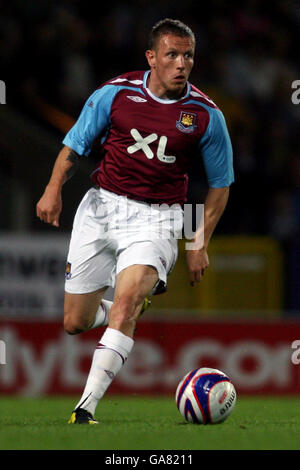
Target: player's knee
point(72, 326)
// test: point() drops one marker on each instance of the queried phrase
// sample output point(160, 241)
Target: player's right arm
point(49, 207)
point(93, 119)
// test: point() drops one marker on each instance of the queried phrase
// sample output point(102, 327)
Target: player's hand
point(198, 262)
point(49, 207)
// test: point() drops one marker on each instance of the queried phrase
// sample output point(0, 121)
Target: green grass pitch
point(147, 423)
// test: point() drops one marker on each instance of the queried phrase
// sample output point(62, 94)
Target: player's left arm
point(216, 152)
point(197, 258)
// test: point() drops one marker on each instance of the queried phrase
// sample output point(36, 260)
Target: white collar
point(161, 100)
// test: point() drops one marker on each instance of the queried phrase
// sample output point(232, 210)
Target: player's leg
point(133, 284)
point(85, 311)
point(89, 267)
point(139, 266)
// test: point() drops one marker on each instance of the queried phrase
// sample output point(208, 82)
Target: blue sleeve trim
point(216, 150)
point(93, 120)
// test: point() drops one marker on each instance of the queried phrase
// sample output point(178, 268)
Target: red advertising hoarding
point(39, 358)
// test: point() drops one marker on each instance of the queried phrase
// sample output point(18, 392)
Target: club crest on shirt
point(186, 122)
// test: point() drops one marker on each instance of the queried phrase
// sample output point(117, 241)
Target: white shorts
point(111, 232)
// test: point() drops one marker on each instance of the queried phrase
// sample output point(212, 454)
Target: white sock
point(109, 357)
point(102, 315)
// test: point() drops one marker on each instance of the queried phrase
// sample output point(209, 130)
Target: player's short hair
point(168, 26)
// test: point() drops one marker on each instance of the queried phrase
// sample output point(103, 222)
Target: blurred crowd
point(246, 60)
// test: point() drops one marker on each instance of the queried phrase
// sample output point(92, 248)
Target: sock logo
point(102, 346)
point(110, 374)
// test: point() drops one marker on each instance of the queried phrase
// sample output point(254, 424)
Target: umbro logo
point(137, 99)
point(110, 374)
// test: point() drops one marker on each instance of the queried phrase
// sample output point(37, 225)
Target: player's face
point(171, 64)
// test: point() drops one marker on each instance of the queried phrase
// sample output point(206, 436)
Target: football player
point(150, 125)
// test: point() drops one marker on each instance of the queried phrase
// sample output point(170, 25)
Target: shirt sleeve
point(93, 120)
point(216, 150)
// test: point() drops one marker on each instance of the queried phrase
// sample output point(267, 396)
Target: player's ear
point(151, 57)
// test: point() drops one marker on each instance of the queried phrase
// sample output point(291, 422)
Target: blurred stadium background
point(244, 317)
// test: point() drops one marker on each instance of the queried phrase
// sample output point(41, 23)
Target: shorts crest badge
point(68, 271)
point(186, 122)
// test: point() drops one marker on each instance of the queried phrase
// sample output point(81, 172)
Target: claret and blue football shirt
point(148, 143)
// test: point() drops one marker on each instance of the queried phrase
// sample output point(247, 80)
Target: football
point(205, 396)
